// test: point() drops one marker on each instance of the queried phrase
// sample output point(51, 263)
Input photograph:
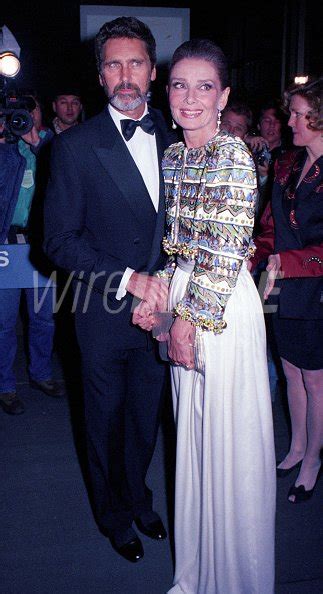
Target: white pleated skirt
point(225, 461)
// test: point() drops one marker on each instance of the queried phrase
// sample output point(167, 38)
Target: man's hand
point(273, 268)
point(142, 316)
point(181, 343)
point(150, 289)
point(263, 169)
point(256, 143)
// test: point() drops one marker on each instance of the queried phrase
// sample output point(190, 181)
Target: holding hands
point(151, 290)
point(154, 293)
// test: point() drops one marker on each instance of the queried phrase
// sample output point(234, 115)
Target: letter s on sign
point(4, 260)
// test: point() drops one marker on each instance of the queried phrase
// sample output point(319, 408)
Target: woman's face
point(195, 96)
point(298, 109)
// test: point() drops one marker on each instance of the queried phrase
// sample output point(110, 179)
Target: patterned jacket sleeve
point(223, 220)
point(167, 272)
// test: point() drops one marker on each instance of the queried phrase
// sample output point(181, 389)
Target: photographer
point(17, 188)
point(272, 141)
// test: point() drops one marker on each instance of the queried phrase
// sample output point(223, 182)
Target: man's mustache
point(125, 86)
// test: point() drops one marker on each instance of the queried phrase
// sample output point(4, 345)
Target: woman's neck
point(197, 138)
point(315, 149)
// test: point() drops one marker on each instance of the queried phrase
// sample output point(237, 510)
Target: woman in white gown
point(225, 463)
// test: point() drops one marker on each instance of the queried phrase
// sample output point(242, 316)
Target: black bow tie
point(128, 127)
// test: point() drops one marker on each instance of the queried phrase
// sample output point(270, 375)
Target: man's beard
point(122, 102)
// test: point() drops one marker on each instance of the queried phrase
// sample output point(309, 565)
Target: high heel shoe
point(300, 492)
point(282, 472)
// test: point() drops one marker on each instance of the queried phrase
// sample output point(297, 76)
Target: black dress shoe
point(155, 529)
point(132, 551)
point(49, 387)
point(281, 472)
point(300, 494)
point(11, 403)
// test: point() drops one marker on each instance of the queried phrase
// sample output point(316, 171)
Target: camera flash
point(9, 64)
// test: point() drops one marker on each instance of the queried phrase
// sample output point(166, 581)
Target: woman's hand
point(273, 268)
point(181, 343)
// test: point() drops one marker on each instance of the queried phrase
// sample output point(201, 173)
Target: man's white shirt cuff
point(122, 291)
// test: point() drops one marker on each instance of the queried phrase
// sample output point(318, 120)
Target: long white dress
point(225, 469)
point(225, 465)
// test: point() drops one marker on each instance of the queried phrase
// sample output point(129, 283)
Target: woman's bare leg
point(297, 403)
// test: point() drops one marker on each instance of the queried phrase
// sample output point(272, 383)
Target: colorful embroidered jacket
point(210, 202)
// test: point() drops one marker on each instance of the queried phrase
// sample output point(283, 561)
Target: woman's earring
point(174, 125)
point(218, 123)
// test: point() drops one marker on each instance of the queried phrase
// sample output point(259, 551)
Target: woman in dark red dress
point(292, 237)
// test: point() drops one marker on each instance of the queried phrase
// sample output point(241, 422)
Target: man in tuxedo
point(104, 221)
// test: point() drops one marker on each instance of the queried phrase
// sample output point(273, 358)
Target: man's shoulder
point(83, 131)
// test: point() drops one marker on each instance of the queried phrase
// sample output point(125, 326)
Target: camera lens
point(21, 122)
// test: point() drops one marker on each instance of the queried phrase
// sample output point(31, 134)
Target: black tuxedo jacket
point(99, 220)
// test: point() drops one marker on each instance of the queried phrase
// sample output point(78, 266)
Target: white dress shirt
point(143, 149)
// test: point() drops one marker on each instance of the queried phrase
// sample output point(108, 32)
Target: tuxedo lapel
point(120, 166)
point(160, 221)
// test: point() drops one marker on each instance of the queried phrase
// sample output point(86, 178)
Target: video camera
point(15, 114)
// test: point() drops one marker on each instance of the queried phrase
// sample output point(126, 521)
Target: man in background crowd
point(67, 106)
point(19, 163)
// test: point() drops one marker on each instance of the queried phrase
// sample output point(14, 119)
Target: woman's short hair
point(204, 49)
point(312, 92)
point(128, 27)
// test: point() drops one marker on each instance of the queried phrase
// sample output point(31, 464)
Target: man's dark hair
point(204, 49)
point(129, 27)
point(240, 108)
point(276, 106)
point(67, 89)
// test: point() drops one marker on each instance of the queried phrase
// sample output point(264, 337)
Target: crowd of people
point(25, 166)
point(160, 233)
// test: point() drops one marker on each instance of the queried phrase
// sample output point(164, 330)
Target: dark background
point(251, 35)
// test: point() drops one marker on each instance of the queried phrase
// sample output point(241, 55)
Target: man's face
point(37, 116)
point(125, 74)
point(270, 128)
point(234, 123)
point(67, 108)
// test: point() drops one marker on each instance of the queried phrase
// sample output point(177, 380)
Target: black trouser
point(122, 401)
